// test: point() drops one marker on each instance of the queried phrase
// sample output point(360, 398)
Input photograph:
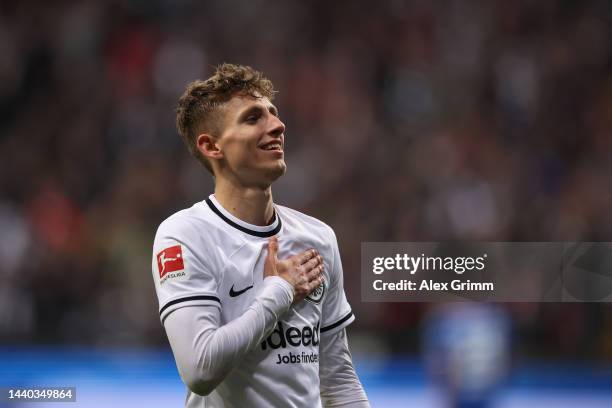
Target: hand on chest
point(243, 271)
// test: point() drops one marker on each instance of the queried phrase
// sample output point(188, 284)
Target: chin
point(272, 172)
point(277, 171)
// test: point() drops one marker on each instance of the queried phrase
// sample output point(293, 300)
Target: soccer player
point(250, 292)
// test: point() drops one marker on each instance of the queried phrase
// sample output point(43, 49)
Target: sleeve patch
point(170, 260)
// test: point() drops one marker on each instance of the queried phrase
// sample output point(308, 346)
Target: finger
point(273, 249)
point(305, 256)
point(312, 263)
point(315, 273)
point(318, 281)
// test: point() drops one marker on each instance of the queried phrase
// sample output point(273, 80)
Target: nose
point(277, 128)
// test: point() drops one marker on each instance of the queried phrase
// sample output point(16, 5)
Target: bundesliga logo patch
point(170, 260)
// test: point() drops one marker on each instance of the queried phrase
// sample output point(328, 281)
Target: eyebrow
point(272, 109)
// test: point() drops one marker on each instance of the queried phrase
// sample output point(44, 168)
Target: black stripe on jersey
point(187, 299)
point(338, 323)
point(244, 229)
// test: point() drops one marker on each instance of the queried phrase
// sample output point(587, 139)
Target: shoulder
point(185, 225)
point(291, 216)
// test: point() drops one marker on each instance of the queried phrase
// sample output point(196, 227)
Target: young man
point(250, 293)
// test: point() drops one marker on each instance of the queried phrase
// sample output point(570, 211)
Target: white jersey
point(205, 256)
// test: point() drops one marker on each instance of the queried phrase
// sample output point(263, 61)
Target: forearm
point(340, 386)
point(206, 352)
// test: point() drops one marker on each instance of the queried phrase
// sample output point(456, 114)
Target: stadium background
point(406, 121)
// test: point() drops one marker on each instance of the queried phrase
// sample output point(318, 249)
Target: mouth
point(274, 146)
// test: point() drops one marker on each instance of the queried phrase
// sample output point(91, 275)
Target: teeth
point(272, 147)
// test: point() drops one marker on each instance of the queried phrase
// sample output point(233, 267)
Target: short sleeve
point(337, 313)
point(181, 267)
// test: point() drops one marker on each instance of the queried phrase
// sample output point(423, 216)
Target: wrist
point(283, 284)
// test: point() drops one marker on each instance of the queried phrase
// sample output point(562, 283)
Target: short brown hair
point(199, 105)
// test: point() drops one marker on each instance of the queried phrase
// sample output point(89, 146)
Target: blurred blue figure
point(466, 349)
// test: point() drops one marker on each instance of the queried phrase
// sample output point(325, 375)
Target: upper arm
point(337, 313)
point(189, 330)
point(182, 269)
point(340, 386)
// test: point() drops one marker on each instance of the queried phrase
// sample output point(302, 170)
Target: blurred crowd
point(406, 121)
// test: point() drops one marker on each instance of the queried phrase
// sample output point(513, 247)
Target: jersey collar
point(256, 230)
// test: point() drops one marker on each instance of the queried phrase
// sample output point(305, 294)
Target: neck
point(250, 204)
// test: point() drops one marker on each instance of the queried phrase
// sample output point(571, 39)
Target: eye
point(253, 118)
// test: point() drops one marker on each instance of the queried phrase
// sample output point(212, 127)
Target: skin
point(244, 172)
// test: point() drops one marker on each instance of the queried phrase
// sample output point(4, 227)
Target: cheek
point(240, 151)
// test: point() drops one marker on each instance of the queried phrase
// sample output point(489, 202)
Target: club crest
point(317, 294)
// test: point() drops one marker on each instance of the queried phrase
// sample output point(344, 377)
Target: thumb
point(273, 249)
point(270, 265)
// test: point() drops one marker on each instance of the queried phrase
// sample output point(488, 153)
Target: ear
point(208, 146)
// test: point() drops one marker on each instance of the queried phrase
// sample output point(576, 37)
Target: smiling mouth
point(273, 146)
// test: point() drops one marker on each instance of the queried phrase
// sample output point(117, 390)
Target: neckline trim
point(255, 230)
